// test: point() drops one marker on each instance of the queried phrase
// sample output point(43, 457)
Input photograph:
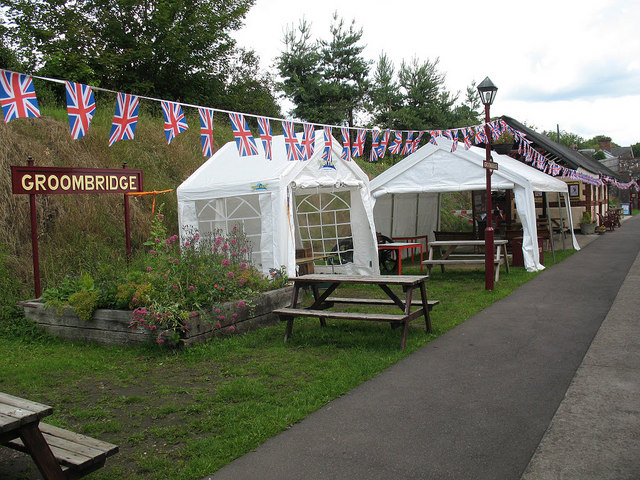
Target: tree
point(568, 139)
point(175, 50)
point(384, 95)
point(325, 80)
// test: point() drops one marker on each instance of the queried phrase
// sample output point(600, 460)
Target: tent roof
point(435, 168)
point(226, 169)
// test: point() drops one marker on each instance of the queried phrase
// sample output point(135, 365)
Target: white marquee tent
point(284, 205)
point(407, 195)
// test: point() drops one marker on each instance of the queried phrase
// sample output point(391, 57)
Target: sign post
point(34, 181)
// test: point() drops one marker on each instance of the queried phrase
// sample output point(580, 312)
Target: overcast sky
point(575, 63)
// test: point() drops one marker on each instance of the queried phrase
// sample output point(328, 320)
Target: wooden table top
point(361, 279)
point(463, 243)
point(399, 244)
point(16, 411)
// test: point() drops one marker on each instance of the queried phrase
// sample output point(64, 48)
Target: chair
point(607, 221)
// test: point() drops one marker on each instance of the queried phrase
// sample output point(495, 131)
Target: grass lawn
point(184, 414)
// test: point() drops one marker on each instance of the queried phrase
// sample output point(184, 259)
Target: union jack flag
point(125, 118)
point(206, 130)
point(447, 134)
point(408, 146)
point(294, 149)
point(266, 136)
point(174, 121)
point(481, 136)
point(357, 149)
point(433, 134)
point(244, 140)
point(416, 142)
point(375, 146)
point(454, 145)
point(496, 129)
point(81, 105)
point(467, 142)
point(327, 157)
point(383, 143)
point(346, 144)
point(17, 96)
point(397, 144)
point(308, 141)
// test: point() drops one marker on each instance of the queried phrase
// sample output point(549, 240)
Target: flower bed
point(113, 327)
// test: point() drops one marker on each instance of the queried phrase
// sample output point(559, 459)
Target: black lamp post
point(487, 91)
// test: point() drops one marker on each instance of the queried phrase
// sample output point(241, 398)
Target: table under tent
point(408, 195)
point(283, 206)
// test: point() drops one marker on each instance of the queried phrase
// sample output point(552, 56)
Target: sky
point(572, 63)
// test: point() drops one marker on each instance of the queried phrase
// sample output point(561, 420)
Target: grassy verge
point(185, 414)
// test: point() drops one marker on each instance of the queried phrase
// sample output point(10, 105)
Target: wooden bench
point(78, 455)
point(378, 301)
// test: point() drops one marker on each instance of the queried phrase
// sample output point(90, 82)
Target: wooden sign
point(490, 165)
point(60, 180)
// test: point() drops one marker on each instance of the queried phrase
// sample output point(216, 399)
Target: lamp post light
point(487, 91)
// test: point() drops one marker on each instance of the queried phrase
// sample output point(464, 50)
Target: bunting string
point(18, 100)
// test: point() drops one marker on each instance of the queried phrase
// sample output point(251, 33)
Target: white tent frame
point(436, 169)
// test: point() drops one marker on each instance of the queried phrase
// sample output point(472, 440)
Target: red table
point(398, 247)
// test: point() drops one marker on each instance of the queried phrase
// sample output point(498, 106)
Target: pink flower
point(235, 228)
point(218, 240)
point(167, 241)
point(241, 304)
point(221, 317)
point(160, 216)
point(149, 268)
point(157, 240)
point(241, 281)
point(152, 252)
point(192, 288)
point(225, 247)
point(244, 249)
point(218, 325)
point(218, 310)
point(230, 275)
point(186, 244)
point(166, 276)
point(232, 328)
point(134, 300)
point(235, 315)
point(176, 261)
point(233, 241)
point(160, 341)
point(243, 265)
point(226, 262)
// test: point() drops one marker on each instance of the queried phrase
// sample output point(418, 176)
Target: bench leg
point(287, 332)
point(425, 307)
point(323, 322)
point(41, 453)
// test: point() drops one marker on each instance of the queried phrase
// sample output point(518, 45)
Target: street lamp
point(487, 91)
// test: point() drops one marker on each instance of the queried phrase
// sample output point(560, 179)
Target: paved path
point(479, 401)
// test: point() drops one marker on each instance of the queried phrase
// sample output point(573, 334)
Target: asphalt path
point(474, 403)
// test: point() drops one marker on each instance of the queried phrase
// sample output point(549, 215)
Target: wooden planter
point(111, 327)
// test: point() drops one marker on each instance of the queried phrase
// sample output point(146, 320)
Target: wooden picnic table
point(59, 454)
point(398, 247)
point(447, 256)
point(323, 301)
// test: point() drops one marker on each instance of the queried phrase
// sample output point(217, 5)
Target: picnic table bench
point(322, 302)
point(59, 454)
point(449, 258)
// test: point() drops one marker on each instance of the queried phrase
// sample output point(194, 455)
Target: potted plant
point(504, 143)
point(587, 227)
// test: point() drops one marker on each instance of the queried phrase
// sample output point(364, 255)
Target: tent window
point(324, 220)
point(222, 214)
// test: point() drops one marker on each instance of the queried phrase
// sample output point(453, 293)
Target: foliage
point(325, 79)
point(171, 281)
point(505, 138)
point(599, 155)
point(567, 139)
point(174, 50)
point(586, 217)
point(636, 150)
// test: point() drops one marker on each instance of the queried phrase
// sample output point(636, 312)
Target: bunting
point(266, 136)
point(408, 146)
point(125, 119)
point(174, 121)
point(308, 141)
point(383, 143)
point(17, 96)
point(206, 131)
point(416, 142)
point(294, 150)
point(346, 144)
point(397, 144)
point(244, 139)
point(327, 156)
point(358, 145)
point(375, 146)
point(81, 105)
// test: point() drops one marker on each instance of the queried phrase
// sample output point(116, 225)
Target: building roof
point(560, 154)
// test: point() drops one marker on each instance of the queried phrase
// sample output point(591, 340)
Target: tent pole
point(393, 206)
point(548, 210)
point(415, 230)
point(562, 232)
